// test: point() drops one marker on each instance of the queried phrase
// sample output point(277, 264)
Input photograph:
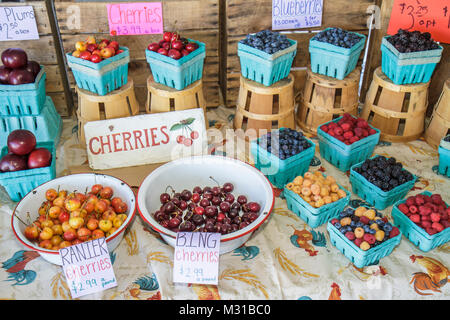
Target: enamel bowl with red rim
point(33, 200)
point(186, 173)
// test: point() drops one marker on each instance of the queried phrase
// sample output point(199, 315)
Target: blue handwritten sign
point(296, 14)
point(88, 267)
point(196, 257)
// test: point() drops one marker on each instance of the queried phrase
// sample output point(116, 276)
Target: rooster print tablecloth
point(284, 259)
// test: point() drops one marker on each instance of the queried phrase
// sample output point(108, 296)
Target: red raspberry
point(332, 125)
point(430, 231)
point(394, 232)
point(361, 123)
point(437, 226)
point(427, 198)
point(410, 201)
point(436, 198)
point(424, 211)
point(444, 216)
point(435, 217)
point(426, 218)
point(358, 132)
point(365, 133)
point(420, 200)
point(415, 218)
point(348, 134)
point(333, 221)
point(364, 219)
point(426, 224)
point(354, 139)
point(358, 241)
point(413, 209)
point(350, 235)
point(370, 238)
point(324, 128)
point(403, 208)
point(338, 131)
point(445, 223)
point(346, 126)
point(372, 131)
point(347, 142)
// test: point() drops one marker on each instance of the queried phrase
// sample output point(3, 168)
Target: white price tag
point(196, 257)
point(18, 23)
point(88, 267)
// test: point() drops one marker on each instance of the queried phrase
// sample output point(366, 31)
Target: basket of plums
point(206, 194)
point(346, 141)
point(424, 219)
point(25, 164)
point(334, 52)
point(381, 181)
point(315, 198)
point(266, 56)
point(22, 84)
point(444, 156)
point(282, 154)
point(73, 209)
point(363, 235)
point(176, 61)
point(409, 56)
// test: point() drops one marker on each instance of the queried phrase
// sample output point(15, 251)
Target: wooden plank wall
point(196, 19)
point(43, 51)
point(440, 75)
point(248, 16)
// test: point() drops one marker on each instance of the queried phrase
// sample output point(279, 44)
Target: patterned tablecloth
point(271, 265)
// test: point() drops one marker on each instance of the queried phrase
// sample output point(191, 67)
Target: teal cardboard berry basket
point(407, 68)
point(417, 235)
point(344, 156)
point(334, 61)
point(280, 172)
point(444, 158)
point(263, 67)
point(103, 77)
point(357, 256)
point(375, 196)
point(23, 99)
point(46, 126)
point(177, 74)
point(19, 183)
point(315, 217)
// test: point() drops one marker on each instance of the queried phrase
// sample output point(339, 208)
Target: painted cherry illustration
point(188, 135)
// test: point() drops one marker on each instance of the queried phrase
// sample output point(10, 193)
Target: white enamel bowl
point(33, 200)
point(187, 173)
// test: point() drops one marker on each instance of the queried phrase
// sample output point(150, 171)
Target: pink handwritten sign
point(135, 18)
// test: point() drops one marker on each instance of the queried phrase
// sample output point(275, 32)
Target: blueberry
point(337, 225)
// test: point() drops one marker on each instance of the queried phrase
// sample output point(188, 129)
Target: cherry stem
point(218, 184)
point(173, 190)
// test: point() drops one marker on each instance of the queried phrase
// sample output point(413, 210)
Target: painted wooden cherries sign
point(145, 139)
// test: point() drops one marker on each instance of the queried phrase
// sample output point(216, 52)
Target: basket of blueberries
point(363, 235)
point(381, 181)
point(334, 52)
point(444, 156)
point(282, 155)
point(266, 56)
point(409, 56)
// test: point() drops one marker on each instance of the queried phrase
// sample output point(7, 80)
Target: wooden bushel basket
point(117, 104)
point(398, 111)
point(439, 125)
point(325, 98)
point(261, 108)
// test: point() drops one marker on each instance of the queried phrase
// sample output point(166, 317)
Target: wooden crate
point(43, 51)
point(196, 19)
point(249, 16)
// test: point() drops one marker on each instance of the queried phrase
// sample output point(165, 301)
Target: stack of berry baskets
point(103, 77)
point(346, 141)
point(266, 57)
point(312, 198)
point(444, 156)
point(381, 181)
point(423, 219)
point(335, 52)
point(282, 154)
point(409, 57)
point(363, 235)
